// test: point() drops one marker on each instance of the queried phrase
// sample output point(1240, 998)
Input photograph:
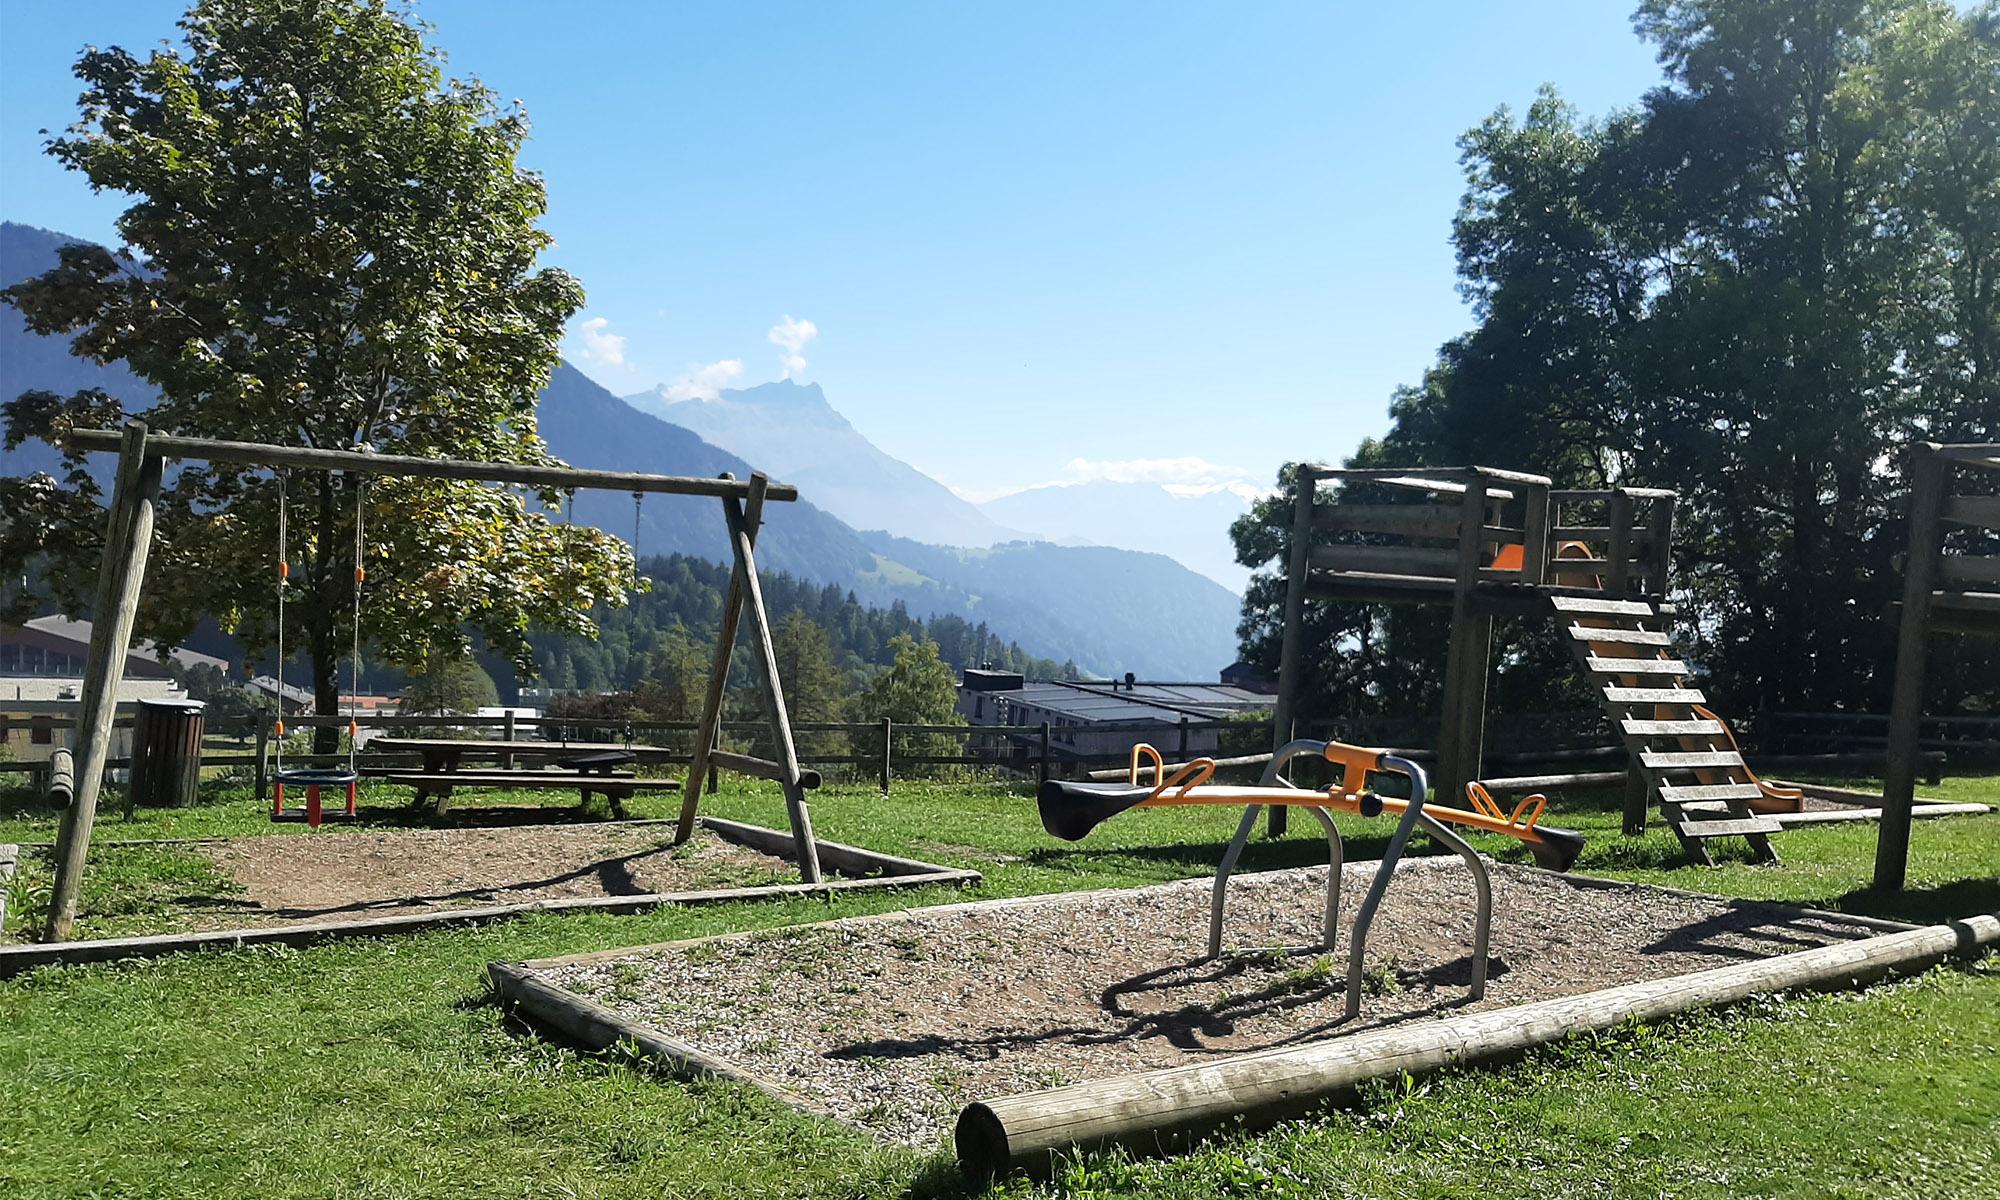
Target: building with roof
point(1105, 719)
point(41, 685)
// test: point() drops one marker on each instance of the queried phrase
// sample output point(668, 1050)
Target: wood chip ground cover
point(893, 1024)
point(332, 875)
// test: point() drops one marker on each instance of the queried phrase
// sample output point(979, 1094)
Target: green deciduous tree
point(1755, 287)
point(331, 245)
point(447, 683)
point(916, 688)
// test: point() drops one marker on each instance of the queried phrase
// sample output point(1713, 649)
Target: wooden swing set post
point(702, 770)
point(128, 540)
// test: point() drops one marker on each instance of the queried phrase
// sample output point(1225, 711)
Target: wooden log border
point(1159, 1111)
point(10, 857)
point(869, 871)
point(579, 1021)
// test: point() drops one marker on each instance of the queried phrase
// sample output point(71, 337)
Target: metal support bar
point(1384, 872)
point(1482, 923)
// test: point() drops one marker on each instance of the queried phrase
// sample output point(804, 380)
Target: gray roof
point(79, 631)
point(291, 691)
point(1141, 702)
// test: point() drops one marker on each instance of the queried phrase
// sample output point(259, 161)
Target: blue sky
point(1031, 241)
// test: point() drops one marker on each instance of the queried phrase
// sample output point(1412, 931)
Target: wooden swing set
point(128, 540)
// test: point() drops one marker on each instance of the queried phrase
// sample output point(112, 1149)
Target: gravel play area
point(337, 875)
point(892, 1023)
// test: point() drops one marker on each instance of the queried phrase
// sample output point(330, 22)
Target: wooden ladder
point(1688, 758)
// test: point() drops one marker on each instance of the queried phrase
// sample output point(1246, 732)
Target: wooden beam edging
point(892, 874)
point(1159, 1110)
point(10, 857)
point(590, 1026)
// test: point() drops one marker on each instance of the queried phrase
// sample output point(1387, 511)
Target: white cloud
point(1178, 471)
point(790, 337)
point(703, 382)
point(600, 346)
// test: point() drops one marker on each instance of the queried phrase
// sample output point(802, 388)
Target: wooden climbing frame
point(1951, 584)
point(1492, 543)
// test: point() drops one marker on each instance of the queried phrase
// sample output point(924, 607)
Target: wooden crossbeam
point(1629, 637)
point(1674, 794)
point(259, 454)
point(1680, 760)
point(1591, 606)
point(1649, 695)
point(1636, 666)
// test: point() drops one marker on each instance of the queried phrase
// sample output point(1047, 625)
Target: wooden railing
point(1460, 525)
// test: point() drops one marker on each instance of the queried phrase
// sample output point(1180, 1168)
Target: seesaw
point(1071, 810)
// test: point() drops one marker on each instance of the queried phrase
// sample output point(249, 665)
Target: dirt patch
point(333, 876)
point(894, 1024)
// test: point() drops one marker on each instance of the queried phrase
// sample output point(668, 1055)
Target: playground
point(1115, 967)
point(415, 1018)
point(997, 997)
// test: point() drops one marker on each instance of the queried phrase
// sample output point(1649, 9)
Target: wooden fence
point(877, 749)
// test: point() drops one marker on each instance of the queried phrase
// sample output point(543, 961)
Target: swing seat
point(312, 779)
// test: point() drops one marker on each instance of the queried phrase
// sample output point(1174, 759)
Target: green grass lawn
point(383, 1068)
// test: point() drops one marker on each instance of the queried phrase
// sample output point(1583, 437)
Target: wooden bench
point(614, 786)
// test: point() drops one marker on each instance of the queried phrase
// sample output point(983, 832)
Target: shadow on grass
point(1921, 906)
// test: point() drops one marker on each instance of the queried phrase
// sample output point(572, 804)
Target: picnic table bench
point(588, 767)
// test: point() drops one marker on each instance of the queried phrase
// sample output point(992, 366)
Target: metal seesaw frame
point(1413, 817)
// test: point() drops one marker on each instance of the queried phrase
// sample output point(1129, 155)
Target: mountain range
point(1109, 610)
point(791, 431)
point(1189, 524)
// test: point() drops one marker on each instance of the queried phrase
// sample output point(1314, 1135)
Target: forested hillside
point(652, 638)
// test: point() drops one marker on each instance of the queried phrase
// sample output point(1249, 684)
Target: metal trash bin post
point(166, 753)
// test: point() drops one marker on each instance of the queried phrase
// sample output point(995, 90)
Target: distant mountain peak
point(789, 429)
point(779, 393)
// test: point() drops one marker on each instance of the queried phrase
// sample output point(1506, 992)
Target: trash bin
point(166, 752)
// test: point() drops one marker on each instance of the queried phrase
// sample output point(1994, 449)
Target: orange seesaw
point(1071, 810)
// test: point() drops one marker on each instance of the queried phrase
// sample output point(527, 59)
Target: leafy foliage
point(916, 689)
point(332, 245)
point(1756, 288)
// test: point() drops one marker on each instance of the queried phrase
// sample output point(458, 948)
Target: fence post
point(1043, 773)
point(507, 735)
point(888, 735)
point(263, 761)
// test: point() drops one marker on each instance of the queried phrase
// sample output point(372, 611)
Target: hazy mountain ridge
point(790, 430)
point(1131, 611)
point(1192, 529)
point(1109, 610)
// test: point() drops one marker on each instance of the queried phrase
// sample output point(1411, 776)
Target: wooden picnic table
point(444, 760)
point(446, 754)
